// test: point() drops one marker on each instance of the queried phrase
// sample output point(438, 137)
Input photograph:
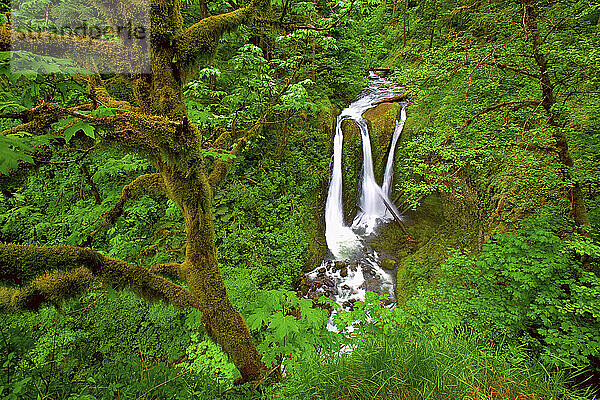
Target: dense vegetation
point(129, 202)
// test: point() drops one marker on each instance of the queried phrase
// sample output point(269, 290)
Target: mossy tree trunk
point(158, 125)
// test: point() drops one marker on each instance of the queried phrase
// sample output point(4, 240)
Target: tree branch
point(517, 104)
point(203, 36)
point(100, 95)
point(514, 69)
point(171, 270)
point(40, 118)
point(18, 262)
point(143, 131)
point(151, 184)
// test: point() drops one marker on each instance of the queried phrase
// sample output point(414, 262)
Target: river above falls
point(352, 267)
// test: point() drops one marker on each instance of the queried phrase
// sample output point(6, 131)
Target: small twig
point(85, 153)
point(164, 383)
point(326, 28)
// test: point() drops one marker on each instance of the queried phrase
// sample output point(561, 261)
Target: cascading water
point(354, 268)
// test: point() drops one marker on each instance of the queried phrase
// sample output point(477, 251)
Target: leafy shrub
point(532, 288)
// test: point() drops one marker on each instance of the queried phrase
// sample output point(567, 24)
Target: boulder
point(388, 264)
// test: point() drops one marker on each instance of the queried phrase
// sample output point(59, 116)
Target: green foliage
point(398, 354)
point(532, 289)
point(476, 332)
point(217, 154)
point(290, 327)
point(242, 88)
point(205, 357)
point(12, 150)
point(27, 65)
point(104, 346)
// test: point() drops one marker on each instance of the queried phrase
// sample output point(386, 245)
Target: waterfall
point(342, 242)
point(375, 204)
point(355, 267)
point(388, 176)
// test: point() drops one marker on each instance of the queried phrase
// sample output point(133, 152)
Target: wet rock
point(312, 295)
point(321, 272)
point(349, 304)
point(371, 285)
point(368, 270)
point(393, 99)
point(339, 265)
point(388, 264)
point(353, 267)
point(344, 272)
point(304, 290)
point(328, 282)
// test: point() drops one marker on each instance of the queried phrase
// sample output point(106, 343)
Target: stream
point(352, 267)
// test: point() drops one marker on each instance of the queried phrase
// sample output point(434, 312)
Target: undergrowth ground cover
point(500, 286)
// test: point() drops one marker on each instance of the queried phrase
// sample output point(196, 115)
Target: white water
point(342, 240)
point(388, 176)
point(340, 279)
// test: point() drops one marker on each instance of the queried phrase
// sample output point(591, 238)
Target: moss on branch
point(170, 270)
point(38, 120)
point(50, 287)
point(150, 184)
point(152, 132)
point(18, 263)
point(100, 95)
point(203, 37)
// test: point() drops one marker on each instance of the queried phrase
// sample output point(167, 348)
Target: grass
point(436, 366)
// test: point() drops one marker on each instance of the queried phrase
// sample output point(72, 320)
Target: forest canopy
point(163, 184)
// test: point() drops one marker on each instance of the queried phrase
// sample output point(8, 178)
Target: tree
point(154, 124)
point(573, 193)
point(530, 72)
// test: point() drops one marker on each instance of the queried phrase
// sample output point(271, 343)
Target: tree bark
point(574, 194)
point(159, 127)
point(223, 323)
point(187, 184)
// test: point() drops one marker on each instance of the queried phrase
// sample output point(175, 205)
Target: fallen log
point(393, 99)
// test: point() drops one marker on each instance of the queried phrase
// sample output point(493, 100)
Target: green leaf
point(87, 129)
point(11, 152)
point(255, 321)
point(5, 105)
point(283, 326)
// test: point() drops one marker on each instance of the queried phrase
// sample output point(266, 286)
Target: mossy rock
point(388, 264)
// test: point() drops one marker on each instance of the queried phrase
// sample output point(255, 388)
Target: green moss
point(166, 19)
point(327, 115)
point(203, 37)
point(66, 282)
point(430, 237)
point(141, 92)
point(382, 123)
